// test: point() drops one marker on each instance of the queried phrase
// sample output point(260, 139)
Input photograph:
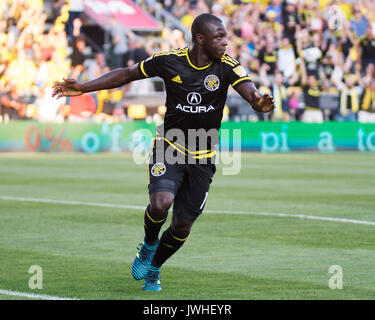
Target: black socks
point(168, 245)
point(152, 227)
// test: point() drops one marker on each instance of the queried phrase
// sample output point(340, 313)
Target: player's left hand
point(263, 103)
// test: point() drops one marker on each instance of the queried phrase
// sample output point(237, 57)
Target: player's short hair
point(200, 24)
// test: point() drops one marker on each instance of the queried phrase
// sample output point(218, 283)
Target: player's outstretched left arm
point(259, 102)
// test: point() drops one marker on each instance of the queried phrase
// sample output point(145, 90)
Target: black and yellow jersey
point(269, 58)
point(195, 95)
point(311, 97)
point(368, 47)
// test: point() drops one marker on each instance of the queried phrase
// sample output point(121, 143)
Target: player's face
point(216, 40)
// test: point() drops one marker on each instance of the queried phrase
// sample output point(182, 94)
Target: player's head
point(209, 32)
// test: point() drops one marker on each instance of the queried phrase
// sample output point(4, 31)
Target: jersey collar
point(193, 66)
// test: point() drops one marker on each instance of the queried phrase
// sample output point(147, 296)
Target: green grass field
point(86, 249)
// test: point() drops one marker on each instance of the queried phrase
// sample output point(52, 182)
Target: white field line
point(79, 203)
point(124, 206)
point(33, 295)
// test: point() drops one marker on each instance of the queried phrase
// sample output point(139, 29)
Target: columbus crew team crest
point(211, 82)
point(158, 169)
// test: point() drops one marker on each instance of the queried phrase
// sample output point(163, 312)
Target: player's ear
point(200, 38)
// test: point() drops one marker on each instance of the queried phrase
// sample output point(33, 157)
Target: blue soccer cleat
point(152, 280)
point(142, 260)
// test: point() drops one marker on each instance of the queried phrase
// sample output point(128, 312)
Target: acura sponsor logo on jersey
point(194, 99)
point(195, 109)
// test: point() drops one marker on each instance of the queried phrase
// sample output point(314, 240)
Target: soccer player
point(196, 80)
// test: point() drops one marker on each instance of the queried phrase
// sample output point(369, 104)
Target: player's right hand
point(67, 88)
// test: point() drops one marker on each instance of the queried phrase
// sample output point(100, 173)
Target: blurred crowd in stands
point(317, 58)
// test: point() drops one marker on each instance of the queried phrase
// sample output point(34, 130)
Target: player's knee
point(160, 202)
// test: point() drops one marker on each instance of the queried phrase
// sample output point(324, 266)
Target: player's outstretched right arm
point(112, 79)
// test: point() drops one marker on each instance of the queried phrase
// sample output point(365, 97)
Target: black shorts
point(189, 183)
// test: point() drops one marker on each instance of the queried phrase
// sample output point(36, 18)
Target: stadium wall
point(30, 136)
